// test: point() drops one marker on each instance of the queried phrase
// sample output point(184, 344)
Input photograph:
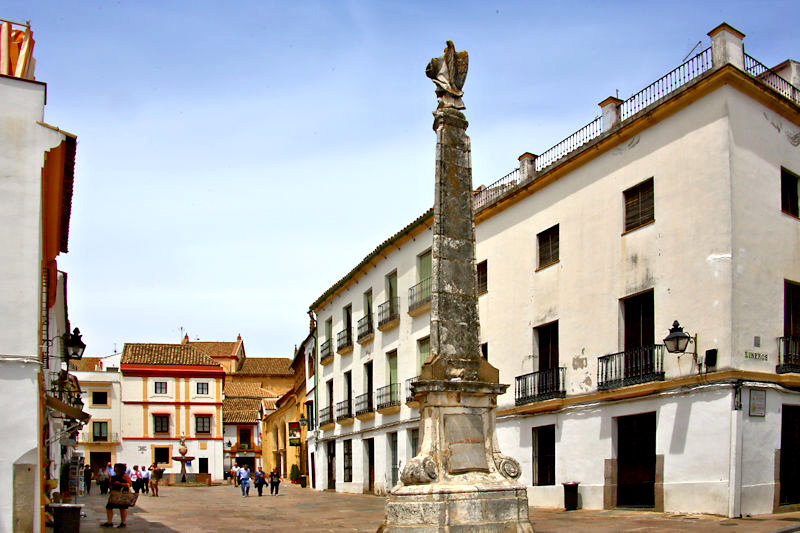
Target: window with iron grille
point(161, 387)
point(544, 455)
point(202, 424)
point(639, 207)
point(789, 196)
point(483, 279)
point(348, 459)
point(202, 388)
point(161, 423)
point(99, 431)
point(548, 246)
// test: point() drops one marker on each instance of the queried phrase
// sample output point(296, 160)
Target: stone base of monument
point(459, 481)
point(453, 508)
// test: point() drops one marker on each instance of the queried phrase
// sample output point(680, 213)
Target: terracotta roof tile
point(235, 389)
point(216, 349)
point(266, 366)
point(86, 364)
point(164, 354)
point(240, 417)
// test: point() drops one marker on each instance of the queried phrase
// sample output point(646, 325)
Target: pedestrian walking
point(145, 476)
point(155, 477)
point(244, 480)
point(274, 481)
point(120, 483)
point(102, 480)
point(87, 479)
point(261, 480)
point(135, 479)
point(235, 475)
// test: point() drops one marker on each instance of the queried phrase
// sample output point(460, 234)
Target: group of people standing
point(241, 477)
point(144, 480)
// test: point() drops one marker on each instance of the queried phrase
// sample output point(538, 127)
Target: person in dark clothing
point(274, 482)
point(119, 482)
point(261, 480)
point(87, 478)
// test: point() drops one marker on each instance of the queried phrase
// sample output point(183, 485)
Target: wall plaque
point(758, 402)
point(466, 444)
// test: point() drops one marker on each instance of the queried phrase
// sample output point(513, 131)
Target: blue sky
point(235, 159)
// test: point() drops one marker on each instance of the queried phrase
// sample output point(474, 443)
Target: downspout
point(735, 457)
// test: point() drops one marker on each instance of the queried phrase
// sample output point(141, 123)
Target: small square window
point(161, 387)
point(483, 278)
point(639, 206)
point(789, 196)
point(202, 388)
point(548, 246)
point(161, 423)
point(203, 424)
point(99, 398)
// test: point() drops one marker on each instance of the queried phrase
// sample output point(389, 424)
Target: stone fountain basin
point(182, 458)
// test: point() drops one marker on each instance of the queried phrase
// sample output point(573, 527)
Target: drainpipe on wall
point(735, 457)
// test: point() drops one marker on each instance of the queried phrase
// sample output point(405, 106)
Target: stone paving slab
point(223, 509)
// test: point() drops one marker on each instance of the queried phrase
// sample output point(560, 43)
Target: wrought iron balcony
point(409, 392)
point(388, 396)
point(87, 436)
point(364, 404)
point(419, 294)
point(365, 328)
point(344, 410)
point(631, 367)
point(388, 311)
point(788, 355)
point(344, 340)
point(539, 386)
point(326, 349)
point(326, 416)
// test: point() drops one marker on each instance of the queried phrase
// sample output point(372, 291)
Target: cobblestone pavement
point(222, 508)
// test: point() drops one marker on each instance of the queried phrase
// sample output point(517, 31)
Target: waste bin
point(570, 495)
point(66, 517)
point(302, 480)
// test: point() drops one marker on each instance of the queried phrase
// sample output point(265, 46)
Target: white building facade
point(664, 208)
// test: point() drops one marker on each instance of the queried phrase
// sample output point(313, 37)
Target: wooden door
point(790, 463)
point(371, 463)
point(636, 460)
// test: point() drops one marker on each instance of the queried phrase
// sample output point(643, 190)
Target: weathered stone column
point(459, 481)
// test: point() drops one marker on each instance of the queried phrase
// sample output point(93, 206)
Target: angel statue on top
point(449, 72)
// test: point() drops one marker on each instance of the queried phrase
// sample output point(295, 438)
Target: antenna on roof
point(115, 347)
point(692, 50)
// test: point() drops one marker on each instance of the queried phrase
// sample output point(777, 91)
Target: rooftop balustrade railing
point(639, 365)
point(364, 404)
point(388, 396)
point(364, 327)
point(788, 355)
point(570, 144)
point(388, 311)
point(487, 195)
point(758, 70)
point(539, 386)
point(419, 294)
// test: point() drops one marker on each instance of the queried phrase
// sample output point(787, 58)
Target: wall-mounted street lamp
point(678, 341)
point(303, 420)
point(73, 344)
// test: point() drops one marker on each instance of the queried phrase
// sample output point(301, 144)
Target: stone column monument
point(459, 481)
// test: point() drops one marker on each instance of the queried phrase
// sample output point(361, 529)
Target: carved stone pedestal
point(459, 481)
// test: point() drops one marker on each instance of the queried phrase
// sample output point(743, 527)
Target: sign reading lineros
point(294, 433)
point(758, 356)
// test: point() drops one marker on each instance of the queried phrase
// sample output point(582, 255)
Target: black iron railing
point(486, 195)
point(326, 349)
point(388, 396)
point(788, 355)
point(388, 311)
point(344, 339)
point(541, 385)
point(419, 294)
point(758, 70)
point(667, 84)
point(326, 416)
point(364, 404)
point(570, 144)
point(630, 367)
point(409, 391)
point(365, 327)
point(344, 409)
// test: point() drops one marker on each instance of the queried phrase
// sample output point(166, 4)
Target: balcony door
point(368, 382)
point(245, 435)
point(639, 334)
point(331, 464)
point(636, 460)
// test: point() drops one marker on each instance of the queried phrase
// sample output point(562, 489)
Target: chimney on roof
point(185, 339)
point(239, 337)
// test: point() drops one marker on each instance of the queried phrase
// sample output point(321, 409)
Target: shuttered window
point(639, 207)
point(548, 246)
point(483, 277)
